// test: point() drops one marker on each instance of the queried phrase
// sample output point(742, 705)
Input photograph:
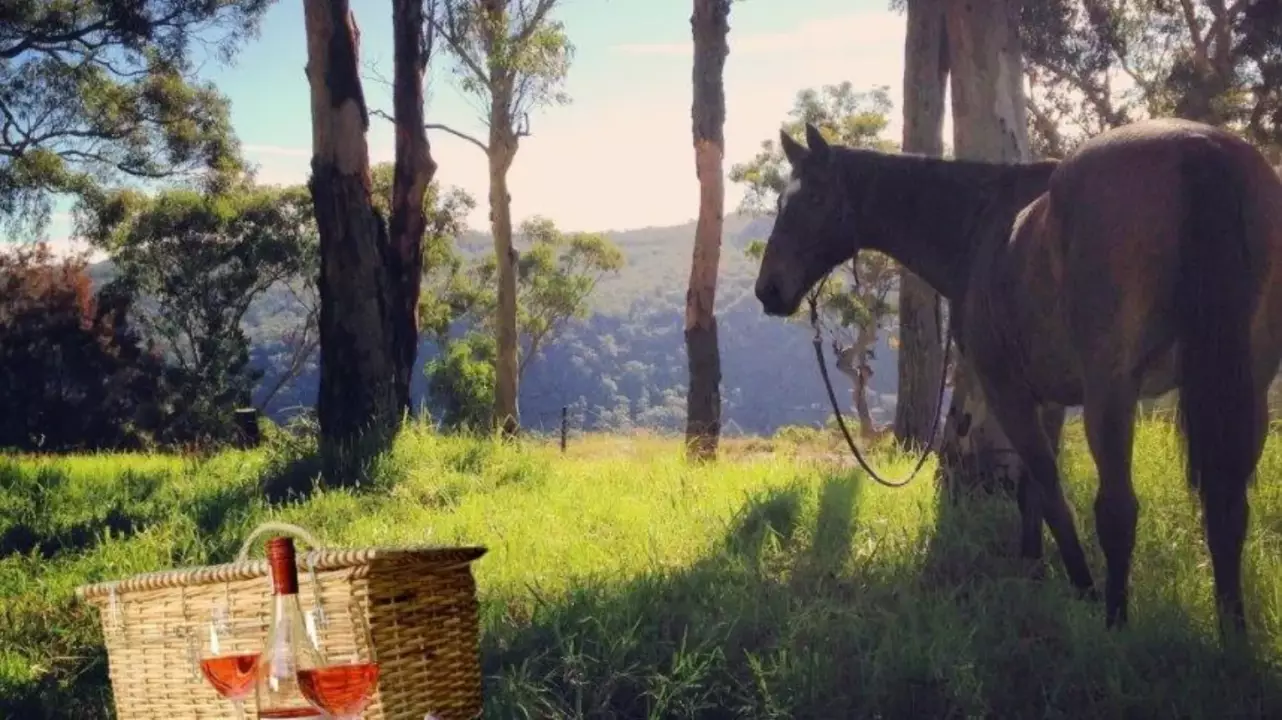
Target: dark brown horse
point(1150, 259)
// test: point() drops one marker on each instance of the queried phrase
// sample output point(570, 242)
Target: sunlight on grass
point(623, 582)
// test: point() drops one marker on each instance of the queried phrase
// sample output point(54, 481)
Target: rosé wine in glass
point(231, 675)
point(341, 690)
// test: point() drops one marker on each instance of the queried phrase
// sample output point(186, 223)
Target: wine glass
point(228, 670)
point(341, 688)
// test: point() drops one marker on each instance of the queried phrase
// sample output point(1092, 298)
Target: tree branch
point(35, 40)
point(459, 134)
point(456, 44)
point(1046, 127)
point(303, 342)
point(1103, 104)
point(534, 21)
point(1195, 32)
point(1221, 29)
point(438, 126)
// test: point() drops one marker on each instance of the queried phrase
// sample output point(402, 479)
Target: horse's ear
point(815, 140)
point(793, 150)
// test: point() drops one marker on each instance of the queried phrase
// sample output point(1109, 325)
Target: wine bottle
point(289, 647)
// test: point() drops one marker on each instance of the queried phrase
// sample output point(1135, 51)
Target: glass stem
point(239, 707)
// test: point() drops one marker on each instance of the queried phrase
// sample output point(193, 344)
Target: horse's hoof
point(1114, 621)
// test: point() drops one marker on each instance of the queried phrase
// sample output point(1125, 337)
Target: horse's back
point(1120, 205)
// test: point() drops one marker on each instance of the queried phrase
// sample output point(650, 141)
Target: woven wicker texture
point(418, 604)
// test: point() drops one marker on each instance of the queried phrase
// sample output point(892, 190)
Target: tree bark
point(867, 429)
point(850, 362)
point(368, 282)
point(988, 124)
point(921, 356)
point(709, 25)
point(412, 174)
point(507, 417)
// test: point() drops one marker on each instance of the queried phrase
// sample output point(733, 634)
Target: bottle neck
point(280, 556)
point(284, 578)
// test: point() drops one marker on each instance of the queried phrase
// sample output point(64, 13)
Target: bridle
point(812, 299)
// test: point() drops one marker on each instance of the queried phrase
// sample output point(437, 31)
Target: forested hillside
point(626, 365)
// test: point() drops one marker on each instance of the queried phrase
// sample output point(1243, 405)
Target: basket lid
point(438, 557)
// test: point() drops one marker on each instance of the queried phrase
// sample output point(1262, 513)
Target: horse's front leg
point(1030, 503)
point(1025, 426)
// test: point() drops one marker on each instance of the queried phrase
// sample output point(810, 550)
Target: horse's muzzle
point(772, 301)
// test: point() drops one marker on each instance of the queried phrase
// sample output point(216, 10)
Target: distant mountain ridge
point(626, 364)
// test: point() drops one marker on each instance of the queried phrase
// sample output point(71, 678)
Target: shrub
point(72, 371)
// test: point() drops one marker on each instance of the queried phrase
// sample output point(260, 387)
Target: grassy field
point(622, 582)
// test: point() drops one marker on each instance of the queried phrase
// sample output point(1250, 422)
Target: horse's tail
point(1216, 293)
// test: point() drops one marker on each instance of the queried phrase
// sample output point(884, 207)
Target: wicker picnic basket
point(417, 605)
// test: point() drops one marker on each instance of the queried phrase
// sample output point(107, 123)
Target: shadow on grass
point(785, 620)
point(291, 478)
point(40, 514)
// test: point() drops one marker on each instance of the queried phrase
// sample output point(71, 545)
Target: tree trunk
point(867, 429)
point(413, 173)
point(921, 356)
point(988, 124)
point(710, 26)
point(507, 416)
point(368, 283)
point(850, 362)
point(358, 399)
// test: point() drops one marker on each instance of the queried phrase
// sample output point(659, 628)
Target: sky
point(619, 156)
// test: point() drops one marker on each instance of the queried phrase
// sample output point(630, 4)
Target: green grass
point(622, 582)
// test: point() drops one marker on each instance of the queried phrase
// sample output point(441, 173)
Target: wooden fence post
point(565, 426)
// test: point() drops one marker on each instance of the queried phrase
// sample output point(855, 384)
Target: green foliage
point(461, 381)
point(556, 278)
point(860, 300)
point(200, 260)
point(623, 582)
point(97, 90)
point(449, 289)
point(511, 61)
point(1096, 65)
point(72, 371)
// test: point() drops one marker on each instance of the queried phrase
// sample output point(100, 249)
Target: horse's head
point(809, 237)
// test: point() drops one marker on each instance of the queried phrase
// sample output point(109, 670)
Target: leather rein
point(841, 422)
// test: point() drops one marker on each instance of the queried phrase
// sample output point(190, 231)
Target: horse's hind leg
point(1224, 517)
point(1109, 416)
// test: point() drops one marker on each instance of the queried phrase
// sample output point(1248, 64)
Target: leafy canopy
point(508, 55)
point(197, 261)
point(92, 91)
point(1097, 65)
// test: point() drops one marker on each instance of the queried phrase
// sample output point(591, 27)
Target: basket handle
point(296, 531)
point(278, 527)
